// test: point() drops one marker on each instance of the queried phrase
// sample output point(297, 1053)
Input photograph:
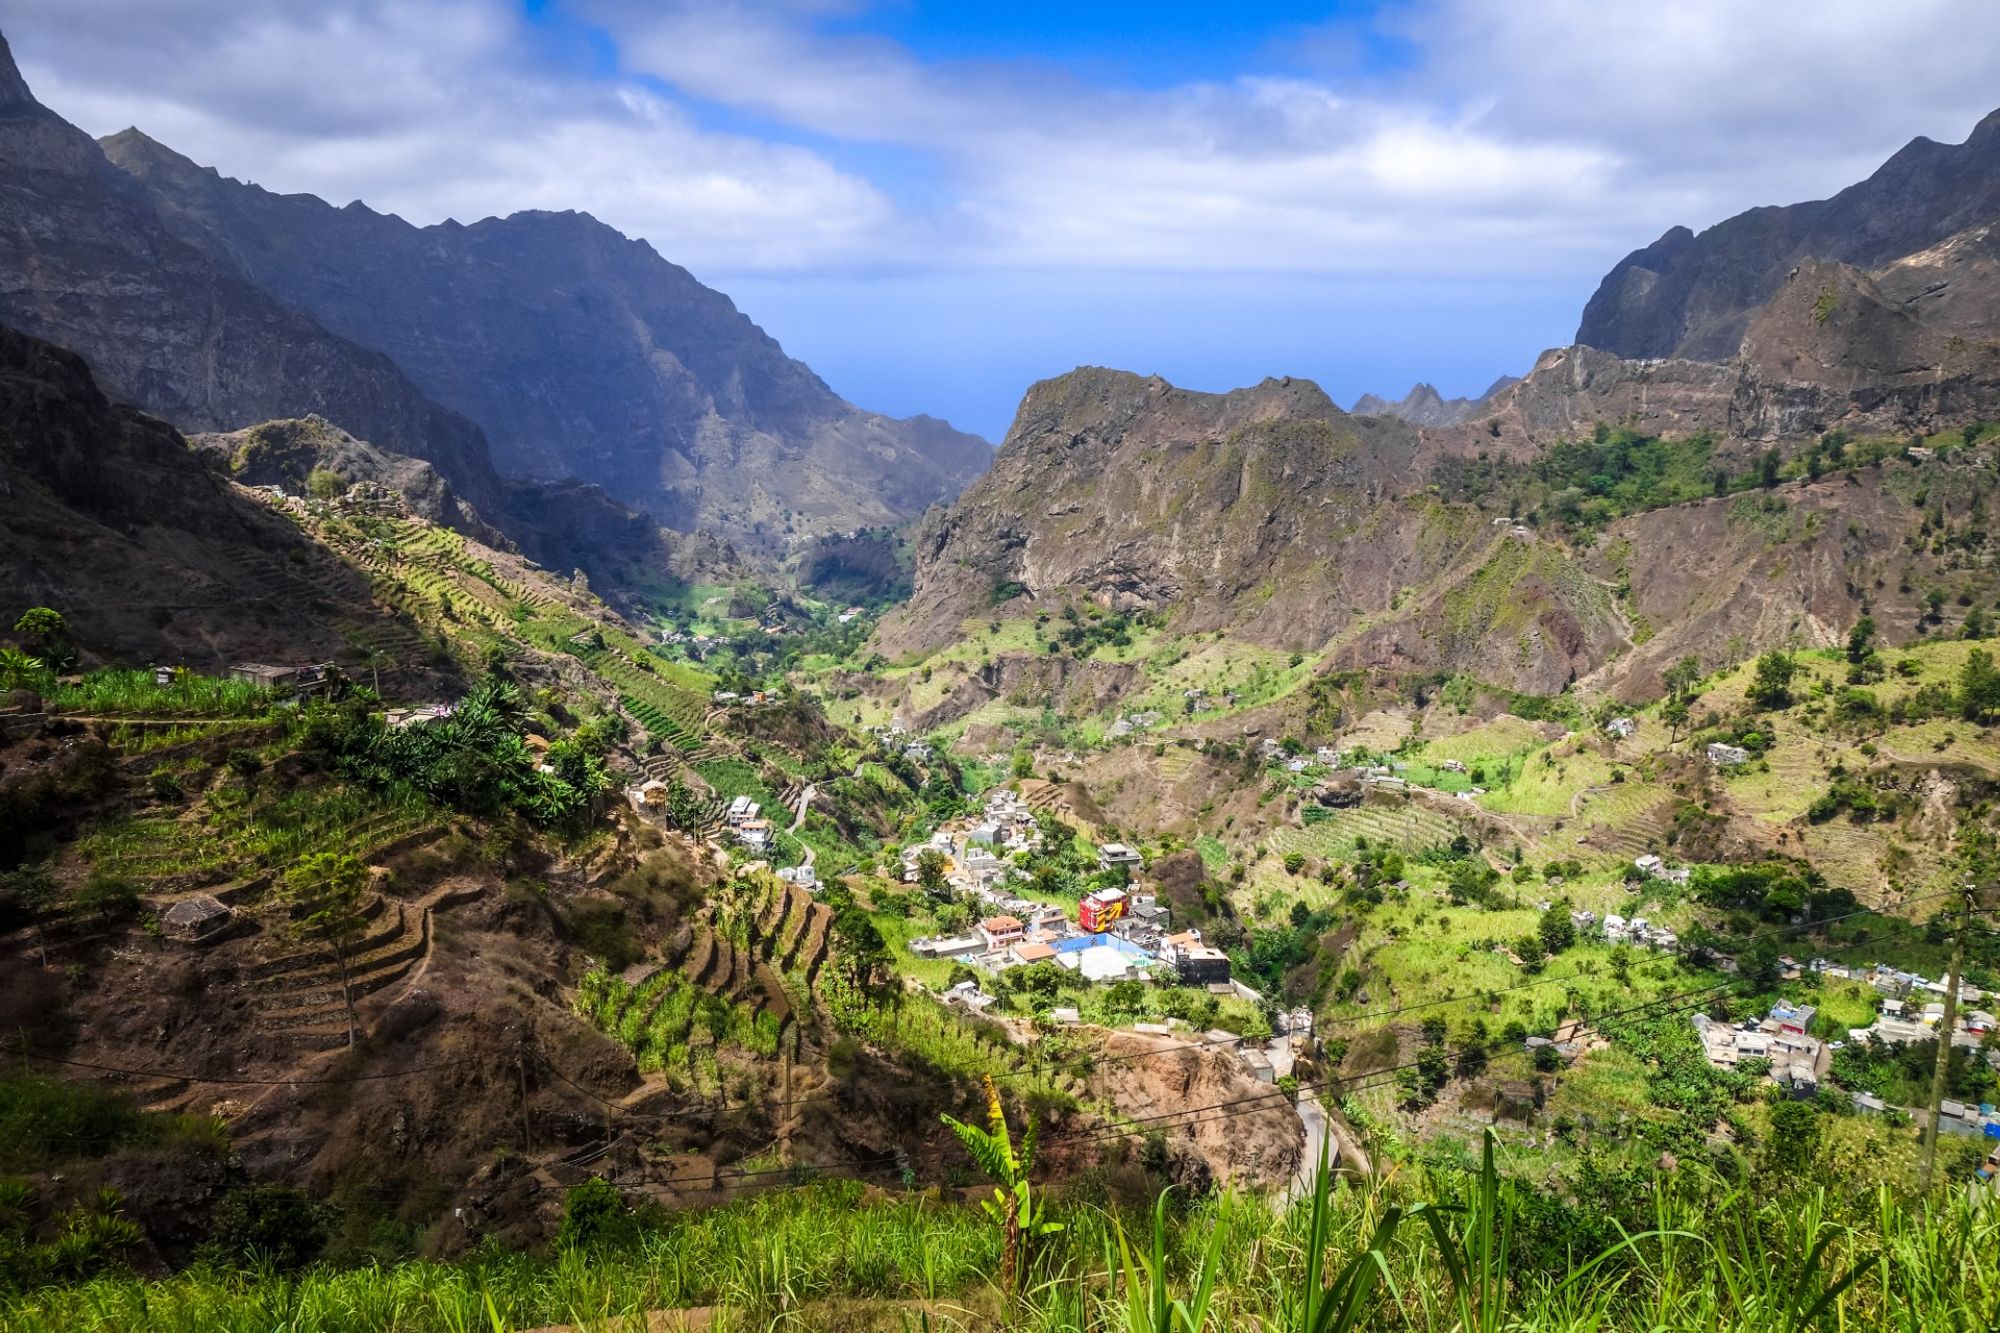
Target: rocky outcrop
point(582, 354)
point(1693, 296)
point(107, 515)
point(287, 453)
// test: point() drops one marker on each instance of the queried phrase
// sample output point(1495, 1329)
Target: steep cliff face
point(1899, 351)
point(583, 354)
point(1692, 296)
point(85, 262)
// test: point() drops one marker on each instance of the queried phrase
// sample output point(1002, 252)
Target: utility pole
point(1945, 1029)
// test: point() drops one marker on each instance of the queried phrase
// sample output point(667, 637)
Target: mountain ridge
point(1691, 295)
point(581, 352)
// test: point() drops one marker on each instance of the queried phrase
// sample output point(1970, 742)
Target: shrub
point(595, 1214)
point(272, 1225)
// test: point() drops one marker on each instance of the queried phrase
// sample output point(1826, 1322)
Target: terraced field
point(1408, 827)
point(163, 853)
point(672, 712)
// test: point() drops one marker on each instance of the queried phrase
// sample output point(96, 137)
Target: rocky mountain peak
point(1423, 405)
point(583, 353)
point(15, 97)
point(1692, 296)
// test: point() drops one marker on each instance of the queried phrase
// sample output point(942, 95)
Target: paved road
point(1313, 1117)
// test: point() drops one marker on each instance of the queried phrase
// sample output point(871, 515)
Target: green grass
point(1463, 1244)
point(135, 694)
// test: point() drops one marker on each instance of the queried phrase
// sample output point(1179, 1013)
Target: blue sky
point(934, 204)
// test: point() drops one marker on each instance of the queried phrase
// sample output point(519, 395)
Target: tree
point(931, 867)
point(1557, 931)
point(269, 1224)
point(1795, 1133)
point(1532, 954)
point(684, 808)
point(323, 895)
point(1767, 469)
point(1125, 997)
point(594, 1213)
point(1976, 625)
point(324, 483)
point(1681, 678)
point(1861, 639)
point(1771, 686)
point(1978, 686)
point(1013, 1206)
point(46, 635)
point(1674, 712)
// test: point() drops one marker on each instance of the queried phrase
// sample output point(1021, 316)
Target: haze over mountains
point(1423, 405)
point(581, 353)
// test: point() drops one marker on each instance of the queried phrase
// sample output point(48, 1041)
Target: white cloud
point(1538, 137)
point(437, 110)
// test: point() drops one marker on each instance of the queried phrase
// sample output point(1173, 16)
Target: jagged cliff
point(582, 354)
point(1692, 296)
point(86, 263)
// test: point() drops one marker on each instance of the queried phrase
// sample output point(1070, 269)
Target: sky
point(935, 205)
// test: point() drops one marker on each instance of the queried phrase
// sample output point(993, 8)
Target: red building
point(1098, 910)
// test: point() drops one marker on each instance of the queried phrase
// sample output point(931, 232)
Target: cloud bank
point(1541, 137)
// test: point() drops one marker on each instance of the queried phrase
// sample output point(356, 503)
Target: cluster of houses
point(896, 737)
point(1615, 929)
point(746, 823)
point(1797, 1059)
point(1126, 724)
point(1116, 934)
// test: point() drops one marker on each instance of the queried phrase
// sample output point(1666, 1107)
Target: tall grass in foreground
point(1432, 1251)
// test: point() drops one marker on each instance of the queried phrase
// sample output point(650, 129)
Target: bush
point(46, 1120)
point(272, 1225)
point(594, 1214)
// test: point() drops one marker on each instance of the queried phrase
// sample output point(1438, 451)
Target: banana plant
point(1020, 1215)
